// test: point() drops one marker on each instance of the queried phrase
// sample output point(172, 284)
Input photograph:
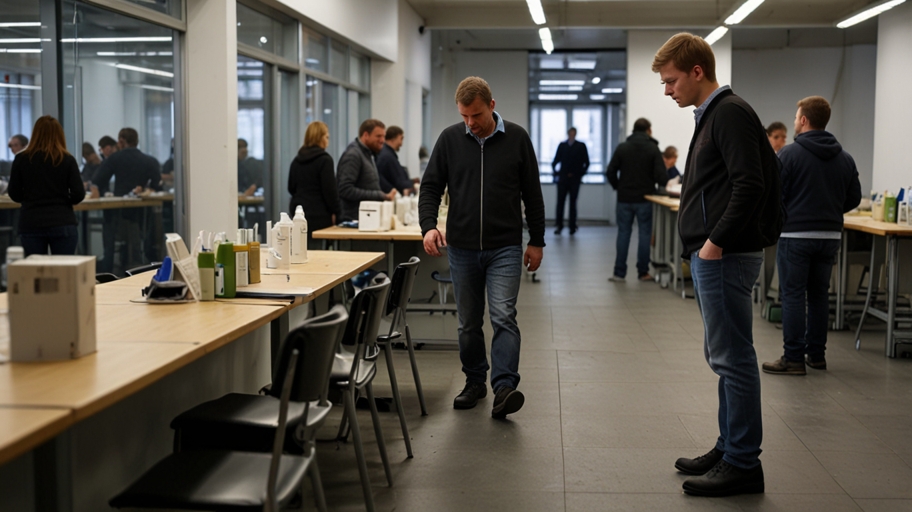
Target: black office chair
point(354, 371)
point(248, 422)
point(105, 277)
point(145, 268)
point(396, 304)
point(222, 479)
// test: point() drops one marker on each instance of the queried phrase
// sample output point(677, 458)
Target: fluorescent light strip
point(568, 97)
point(547, 44)
point(596, 97)
point(21, 24)
point(156, 88)
point(716, 34)
point(582, 64)
point(20, 50)
point(117, 40)
point(868, 13)
point(148, 71)
point(22, 40)
point(742, 12)
point(613, 90)
point(20, 86)
point(537, 12)
point(559, 88)
point(561, 82)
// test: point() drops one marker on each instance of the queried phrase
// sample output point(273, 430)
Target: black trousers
point(566, 186)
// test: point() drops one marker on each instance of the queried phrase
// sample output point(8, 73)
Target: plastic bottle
point(242, 255)
point(206, 263)
point(253, 260)
point(299, 237)
point(281, 240)
point(225, 269)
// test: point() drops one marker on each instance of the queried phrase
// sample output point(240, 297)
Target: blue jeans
point(723, 291)
point(805, 266)
point(500, 271)
point(625, 214)
point(59, 239)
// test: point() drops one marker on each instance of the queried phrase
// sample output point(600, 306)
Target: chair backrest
point(279, 441)
point(144, 268)
point(364, 322)
point(401, 288)
point(315, 340)
point(105, 277)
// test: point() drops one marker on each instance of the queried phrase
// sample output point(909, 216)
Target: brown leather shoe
point(783, 366)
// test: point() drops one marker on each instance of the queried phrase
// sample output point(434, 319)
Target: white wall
point(671, 125)
point(101, 86)
point(773, 80)
point(371, 24)
point(893, 105)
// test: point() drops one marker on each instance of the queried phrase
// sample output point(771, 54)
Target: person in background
point(108, 146)
point(573, 158)
point(356, 175)
point(92, 163)
point(16, 144)
point(670, 157)
point(392, 174)
point(490, 169)
point(167, 170)
point(819, 184)
point(639, 162)
point(777, 134)
point(312, 182)
point(423, 158)
point(133, 172)
point(45, 180)
point(730, 210)
point(250, 171)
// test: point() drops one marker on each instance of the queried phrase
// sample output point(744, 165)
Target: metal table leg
point(892, 285)
point(841, 280)
point(391, 264)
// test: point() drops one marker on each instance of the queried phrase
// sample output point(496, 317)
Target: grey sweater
point(358, 179)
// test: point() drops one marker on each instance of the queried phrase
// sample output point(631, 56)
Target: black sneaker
point(471, 393)
point(817, 364)
point(699, 465)
point(507, 401)
point(557, 231)
point(726, 480)
point(783, 366)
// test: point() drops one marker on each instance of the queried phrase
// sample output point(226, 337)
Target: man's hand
point(533, 258)
point(710, 251)
point(250, 190)
point(434, 239)
point(392, 195)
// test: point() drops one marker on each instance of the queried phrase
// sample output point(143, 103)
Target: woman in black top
point(312, 182)
point(45, 179)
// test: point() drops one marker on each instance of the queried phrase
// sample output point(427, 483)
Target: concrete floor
point(616, 389)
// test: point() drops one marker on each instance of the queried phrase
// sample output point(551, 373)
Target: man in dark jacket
point(819, 184)
point(490, 169)
point(357, 175)
point(641, 168)
point(392, 174)
point(573, 157)
point(729, 212)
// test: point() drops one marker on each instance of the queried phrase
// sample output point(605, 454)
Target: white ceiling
point(693, 14)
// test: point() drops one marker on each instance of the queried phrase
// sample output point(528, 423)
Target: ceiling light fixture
point(156, 88)
point(20, 50)
point(613, 90)
point(537, 12)
point(566, 97)
point(868, 13)
point(582, 64)
point(560, 88)
point(117, 40)
point(20, 86)
point(716, 34)
point(21, 40)
point(547, 44)
point(561, 82)
point(147, 71)
point(596, 80)
point(596, 97)
point(21, 24)
point(742, 12)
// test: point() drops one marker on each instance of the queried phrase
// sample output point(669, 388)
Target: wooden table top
point(339, 233)
point(250, 200)
point(326, 262)
point(23, 429)
point(100, 203)
point(880, 228)
point(672, 203)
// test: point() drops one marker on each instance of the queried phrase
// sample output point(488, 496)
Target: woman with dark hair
point(45, 180)
point(312, 182)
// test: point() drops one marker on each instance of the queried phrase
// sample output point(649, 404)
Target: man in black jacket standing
point(729, 212)
point(641, 168)
point(819, 184)
point(490, 169)
point(573, 157)
point(392, 174)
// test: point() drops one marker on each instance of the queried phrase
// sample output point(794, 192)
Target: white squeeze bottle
point(281, 240)
point(299, 237)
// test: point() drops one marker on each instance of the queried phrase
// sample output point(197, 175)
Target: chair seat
point(242, 422)
point(213, 480)
point(341, 371)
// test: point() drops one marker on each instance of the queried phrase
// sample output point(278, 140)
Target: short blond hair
point(314, 134)
point(471, 88)
point(686, 51)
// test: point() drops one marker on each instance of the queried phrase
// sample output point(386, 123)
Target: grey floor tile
point(862, 475)
point(609, 430)
point(642, 398)
point(624, 502)
point(622, 470)
point(884, 505)
point(772, 502)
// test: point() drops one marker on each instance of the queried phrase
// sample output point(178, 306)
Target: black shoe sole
point(512, 403)
point(784, 373)
point(752, 488)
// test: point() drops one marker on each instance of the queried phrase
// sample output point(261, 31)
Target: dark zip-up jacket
point(357, 179)
point(819, 183)
point(47, 191)
point(488, 186)
point(312, 185)
point(130, 168)
point(391, 172)
point(731, 175)
point(640, 163)
point(573, 159)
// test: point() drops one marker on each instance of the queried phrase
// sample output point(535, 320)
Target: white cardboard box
point(370, 216)
point(52, 307)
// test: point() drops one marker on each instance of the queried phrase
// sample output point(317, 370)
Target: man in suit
point(573, 158)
